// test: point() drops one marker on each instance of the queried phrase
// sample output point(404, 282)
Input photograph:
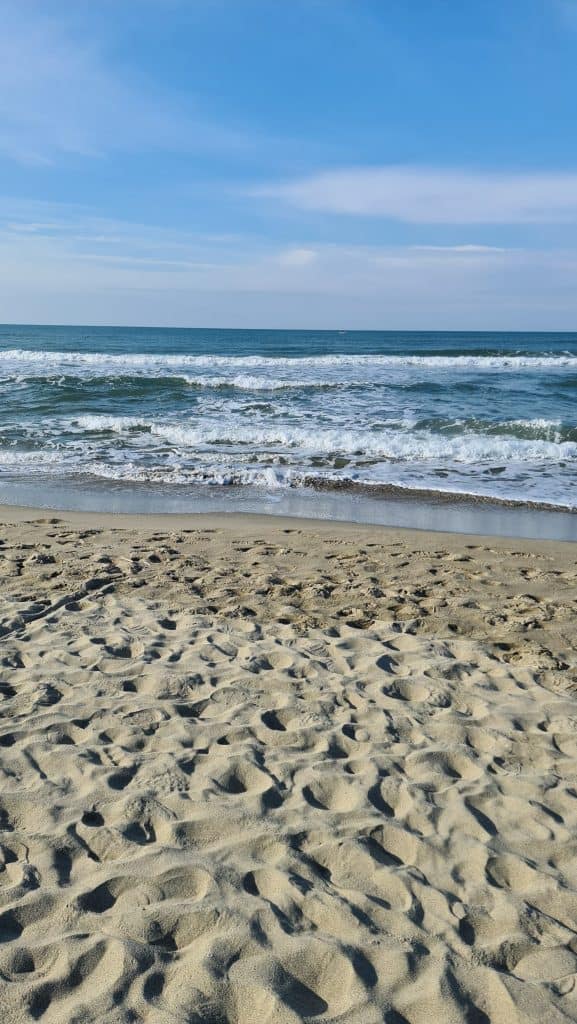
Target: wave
point(539, 429)
point(89, 362)
point(116, 424)
point(271, 478)
point(238, 382)
point(248, 382)
point(415, 445)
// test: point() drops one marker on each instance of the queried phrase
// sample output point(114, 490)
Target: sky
point(339, 164)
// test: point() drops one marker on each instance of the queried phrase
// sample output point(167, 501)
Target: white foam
point(115, 424)
point(402, 445)
point(38, 362)
point(273, 478)
point(30, 461)
point(249, 382)
point(537, 481)
point(266, 476)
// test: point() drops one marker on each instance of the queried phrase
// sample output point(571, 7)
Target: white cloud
point(297, 257)
point(467, 247)
point(145, 255)
point(87, 269)
point(435, 196)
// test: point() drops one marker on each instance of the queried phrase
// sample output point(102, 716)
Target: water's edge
point(439, 513)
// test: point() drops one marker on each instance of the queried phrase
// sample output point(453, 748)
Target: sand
point(267, 771)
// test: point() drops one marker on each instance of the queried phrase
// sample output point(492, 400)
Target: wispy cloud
point(60, 234)
point(466, 247)
point(61, 94)
point(90, 269)
point(434, 196)
point(297, 257)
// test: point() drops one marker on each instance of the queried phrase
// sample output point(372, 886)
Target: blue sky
point(289, 163)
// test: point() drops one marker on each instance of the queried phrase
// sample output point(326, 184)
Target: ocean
point(280, 420)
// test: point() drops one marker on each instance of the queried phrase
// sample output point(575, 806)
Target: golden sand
point(257, 770)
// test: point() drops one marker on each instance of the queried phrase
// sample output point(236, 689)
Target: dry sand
point(256, 770)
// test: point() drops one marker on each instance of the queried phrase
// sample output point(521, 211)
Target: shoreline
point(309, 487)
point(245, 521)
point(242, 523)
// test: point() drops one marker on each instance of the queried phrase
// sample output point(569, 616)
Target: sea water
point(273, 416)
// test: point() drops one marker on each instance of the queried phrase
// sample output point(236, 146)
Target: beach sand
point(258, 770)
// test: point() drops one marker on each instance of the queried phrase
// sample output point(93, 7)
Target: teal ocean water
point(493, 416)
